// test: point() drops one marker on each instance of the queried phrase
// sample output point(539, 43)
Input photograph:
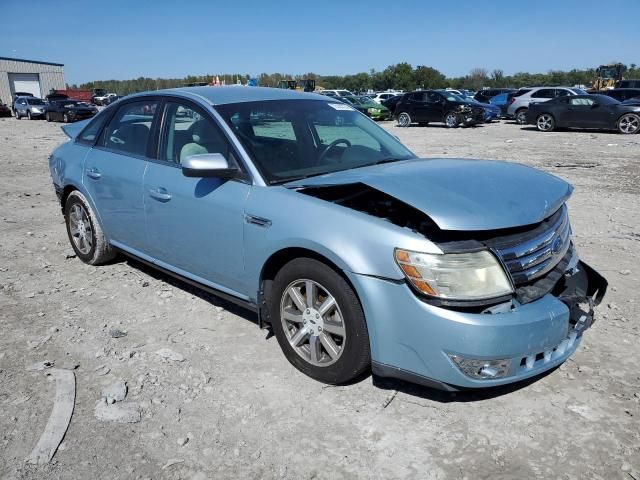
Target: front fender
point(353, 241)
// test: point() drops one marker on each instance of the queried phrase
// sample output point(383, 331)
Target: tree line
point(401, 76)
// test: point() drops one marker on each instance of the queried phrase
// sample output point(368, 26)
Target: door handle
point(160, 193)
point(93, 173)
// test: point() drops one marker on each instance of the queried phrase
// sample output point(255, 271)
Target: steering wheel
point(337, 141)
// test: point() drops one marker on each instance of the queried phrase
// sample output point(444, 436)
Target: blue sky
point(99, 40)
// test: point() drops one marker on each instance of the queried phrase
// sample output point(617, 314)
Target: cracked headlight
point(455, 276)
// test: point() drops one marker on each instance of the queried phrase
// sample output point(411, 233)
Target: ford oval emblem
point(556, 246)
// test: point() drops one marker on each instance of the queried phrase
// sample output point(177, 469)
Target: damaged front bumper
point(452, 349)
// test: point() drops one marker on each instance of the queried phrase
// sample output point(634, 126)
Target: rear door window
point(92, 131)
point(129, 131)
point(544, 93)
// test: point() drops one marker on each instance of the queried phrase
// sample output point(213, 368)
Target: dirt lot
point(235, 408)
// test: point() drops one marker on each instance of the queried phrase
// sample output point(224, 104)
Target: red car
point(5, 111)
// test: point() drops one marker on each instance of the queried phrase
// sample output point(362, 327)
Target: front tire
point(629, 123)
point(318, 321)
point(29, 115)
point(521, 116)
point(84, 231)
point(18, 116)
point(404, 119)
point(48, 117)
point(65, 118)
point(545, 122)
point(451, 120)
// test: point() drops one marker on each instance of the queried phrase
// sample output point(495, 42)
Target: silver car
point(520, 102)
point(30, 107)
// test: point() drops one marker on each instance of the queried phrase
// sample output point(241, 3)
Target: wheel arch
point(71, 187)
point(279, 259)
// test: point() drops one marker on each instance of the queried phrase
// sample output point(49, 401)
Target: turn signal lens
point(455, 276)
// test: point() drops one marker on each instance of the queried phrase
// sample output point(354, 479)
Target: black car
point(628, 84)
point(622, 94)
point(391, 103)
point(69, 110)
point(483, 96)
point(425, 106)
point(584, 111)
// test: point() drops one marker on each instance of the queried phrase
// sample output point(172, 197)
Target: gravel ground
point(222, 401)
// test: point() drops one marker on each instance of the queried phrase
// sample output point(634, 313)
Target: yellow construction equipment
point(608, 75)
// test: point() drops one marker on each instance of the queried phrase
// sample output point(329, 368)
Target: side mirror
point(595, 104)
point(207, 165)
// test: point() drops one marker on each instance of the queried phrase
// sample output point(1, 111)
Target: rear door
point(194, 225)
point(114, 171)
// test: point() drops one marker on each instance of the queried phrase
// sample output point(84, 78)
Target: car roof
point(236, 94)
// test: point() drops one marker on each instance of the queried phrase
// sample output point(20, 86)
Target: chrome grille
point(536, 256)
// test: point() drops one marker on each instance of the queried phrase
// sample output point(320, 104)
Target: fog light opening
point(482, 369)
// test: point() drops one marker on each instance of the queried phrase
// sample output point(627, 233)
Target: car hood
point(459, 194)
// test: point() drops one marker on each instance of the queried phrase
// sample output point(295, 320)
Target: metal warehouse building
point(31, 76)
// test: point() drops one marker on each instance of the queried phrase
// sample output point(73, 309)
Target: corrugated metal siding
point(51, 76)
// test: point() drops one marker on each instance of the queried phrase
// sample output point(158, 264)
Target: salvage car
point(585, 111)
point(69, 110)
point(622, 94)
point(5, 111)
point(426, 106)
point(374, 110)
point(30, 107)
point(520, 101)
point(359, 255)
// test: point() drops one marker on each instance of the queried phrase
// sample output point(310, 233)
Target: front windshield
point(579, 91)
point(344, 93)
point(35, 101)
point(293, 139)
point(365, 99)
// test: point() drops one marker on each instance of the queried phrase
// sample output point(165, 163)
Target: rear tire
point(65, 118)
point(338, 333)
point(521, 116)
point(48, 117)
point(629, 123)
point(545, 122)
point(404, 119)
point(84, 231)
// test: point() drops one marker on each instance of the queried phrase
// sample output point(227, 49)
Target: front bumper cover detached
point(416, 341)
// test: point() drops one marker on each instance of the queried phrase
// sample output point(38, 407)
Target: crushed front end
point(454, 344)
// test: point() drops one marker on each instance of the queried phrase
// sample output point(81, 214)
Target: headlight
point(455, 276)
point(373, 110)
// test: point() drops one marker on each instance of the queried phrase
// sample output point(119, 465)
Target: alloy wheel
point(521, 117)
point(629, 123)
point(312, 322)
point(545, 122)
point(404, 120)
point(80, 229)
point(451, 120)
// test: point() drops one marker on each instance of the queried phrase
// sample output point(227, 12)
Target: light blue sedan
point(359, 256)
